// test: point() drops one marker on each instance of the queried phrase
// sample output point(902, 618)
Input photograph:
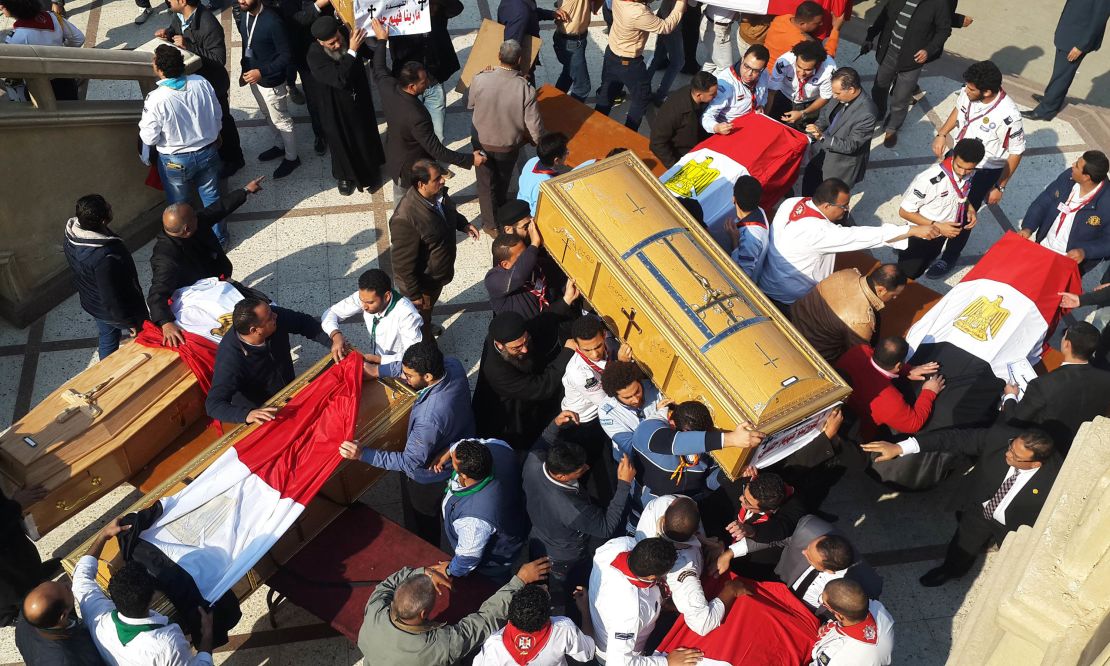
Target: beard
point(522, 363)
point(335, 55)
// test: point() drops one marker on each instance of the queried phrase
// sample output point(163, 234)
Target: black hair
point(693, 207)
point(836, 552)
point(619, 375)
point(969, 150)
point(551, 147)
point(887, 276)
point(652, 557)
point(768, 489)
point(681, 519)
point(759, 51)
point(425, 358)
point(244, 317)
point(702, 81)
point(375, 280)
point(565, 457)
point(890, 351)
point(503, 245)
point(474, 459)
point(691, 416)
point(747, 191)
point(830, 190)
point(530, 608)
point(421, 172)
point(1084, 338)
point(984, 75)
point(587, 328)
point(1096, 165)
point(1039, 442)
point(410, 73)
point(847, 597)
point(23, 9)
point(168, 60)
point(811, 51)
point(93, 212)
point(848, 77)
point(808, 10)
point(131, 588)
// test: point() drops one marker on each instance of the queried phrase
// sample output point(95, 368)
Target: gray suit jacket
point(792, 563)
point(848, 145)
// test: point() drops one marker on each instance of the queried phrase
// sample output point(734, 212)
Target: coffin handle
point(95, 482)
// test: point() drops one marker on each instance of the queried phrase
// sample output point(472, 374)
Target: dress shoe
point(937, 577)
point(437, 330)
point(230, 168)
point(1038, 97)
point(890, 140)
point(320, 145)
point(144, 15)
point(286, 167)
point(1033, 115)
point(271, 154)
point(295, 95)
point(346, 187)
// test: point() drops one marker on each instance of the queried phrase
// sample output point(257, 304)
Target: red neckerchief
point(522, 646)
point(751, 89)
point(864, 632)
point(40, 22)
point(968, 119)
point(538, 287)
point(760, 518)
point(539, 169)
point(802, 85)
point(961, 190)
point(799, 211)
point(1079, 204)
point(593, 366)
point(620, 563)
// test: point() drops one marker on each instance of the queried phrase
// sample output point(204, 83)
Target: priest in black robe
point(346, 110)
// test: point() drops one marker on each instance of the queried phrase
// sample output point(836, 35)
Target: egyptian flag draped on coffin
point(772, 7)
point(760, 146)
point(222, 523)
point(1001, 312)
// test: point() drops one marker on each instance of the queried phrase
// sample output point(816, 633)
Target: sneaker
point(295, 95)
point(286, 167)
point(939, 269)
point(144, 15)
point(271, 154)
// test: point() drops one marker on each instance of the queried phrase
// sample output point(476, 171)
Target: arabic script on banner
point(401, 17)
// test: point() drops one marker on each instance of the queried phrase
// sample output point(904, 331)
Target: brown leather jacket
point(422, 243)
point(837, 314)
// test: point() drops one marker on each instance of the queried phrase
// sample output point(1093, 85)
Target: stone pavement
point(304, 244)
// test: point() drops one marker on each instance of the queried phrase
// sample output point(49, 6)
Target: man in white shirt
point(392, 320)
point(1014, 472)
point(938, 197)
point(716, 48)
point(532, 636)
point(861, 633)
point(741, 89)
point(806, 235)
point(125, 630)
point(800, 84)
point(625, 601)
point(676, 519)
point(983, 111)
point(182, 119)
point(1066, 217)
point(632, 398)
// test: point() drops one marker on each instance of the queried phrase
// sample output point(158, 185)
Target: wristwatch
point(1000, 188)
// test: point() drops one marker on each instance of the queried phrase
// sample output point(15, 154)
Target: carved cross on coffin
point(86, 402)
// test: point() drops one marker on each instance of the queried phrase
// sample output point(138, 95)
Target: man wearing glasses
point(806, 234)
point(1014, 472)
point(741, 89)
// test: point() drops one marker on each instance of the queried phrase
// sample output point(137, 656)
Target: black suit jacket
point(928, 29)
point(1082, 25)
point(676, 128)
point(1061, 401)
point(989, 446)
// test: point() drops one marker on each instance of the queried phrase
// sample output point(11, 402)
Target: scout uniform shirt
point(938, 194)
point(802, 91)
point(582, 392)
point(619, 421)
point(868, 643)
point(734, 99)
point(623, 609)
point(549, 646)
point(997, 124)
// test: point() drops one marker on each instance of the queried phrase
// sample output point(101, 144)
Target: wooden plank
point(483, 53)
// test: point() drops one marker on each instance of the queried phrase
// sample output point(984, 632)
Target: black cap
point(507, 326)
point(512, 212)
point(325, 27)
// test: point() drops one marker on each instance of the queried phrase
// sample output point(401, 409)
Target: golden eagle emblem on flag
point(692, 179)
point(983, 318)
point(224, 322)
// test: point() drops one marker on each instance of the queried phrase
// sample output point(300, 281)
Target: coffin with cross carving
point(697, 325)
point(97, 430)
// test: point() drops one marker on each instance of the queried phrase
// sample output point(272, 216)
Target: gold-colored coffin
point(382, 424)
point(699, 327)
point(97, 430)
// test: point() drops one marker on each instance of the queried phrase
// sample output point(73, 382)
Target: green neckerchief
point(393, 298)
point(468, 491)
point(128, 632)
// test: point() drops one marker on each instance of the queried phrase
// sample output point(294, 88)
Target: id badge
point(248, 52)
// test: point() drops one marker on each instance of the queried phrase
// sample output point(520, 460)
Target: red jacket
point(876, 401)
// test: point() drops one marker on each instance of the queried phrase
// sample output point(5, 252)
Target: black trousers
point(420, 507)
point(231, 149)
point(493, 180)
point(893, 87)
point(633, 75)
point(974, 534)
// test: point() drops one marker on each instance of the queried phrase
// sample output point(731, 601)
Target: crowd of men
point(566, 457)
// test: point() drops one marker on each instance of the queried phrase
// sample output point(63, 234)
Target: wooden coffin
point(699, 327)
point(382, 423)
point(97, 430)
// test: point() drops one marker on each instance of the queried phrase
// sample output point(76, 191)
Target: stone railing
point(1046, 597)
point(57, 151)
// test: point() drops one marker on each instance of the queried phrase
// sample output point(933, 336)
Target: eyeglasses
point(746, 68)
point(844, 207)
point(1013, 454)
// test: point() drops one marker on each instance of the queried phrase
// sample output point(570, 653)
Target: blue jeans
point(200, 168)
point(109, 337)
point(633, 75)
point(435, 101)
point(575, 77)
point(671, 47)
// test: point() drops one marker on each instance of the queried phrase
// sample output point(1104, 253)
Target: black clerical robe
point(347, 116)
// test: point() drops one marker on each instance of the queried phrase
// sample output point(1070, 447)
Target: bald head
point(847, 598)
point(179, 220)
point(48, 605)
point(681, 519)
point(414, 598)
